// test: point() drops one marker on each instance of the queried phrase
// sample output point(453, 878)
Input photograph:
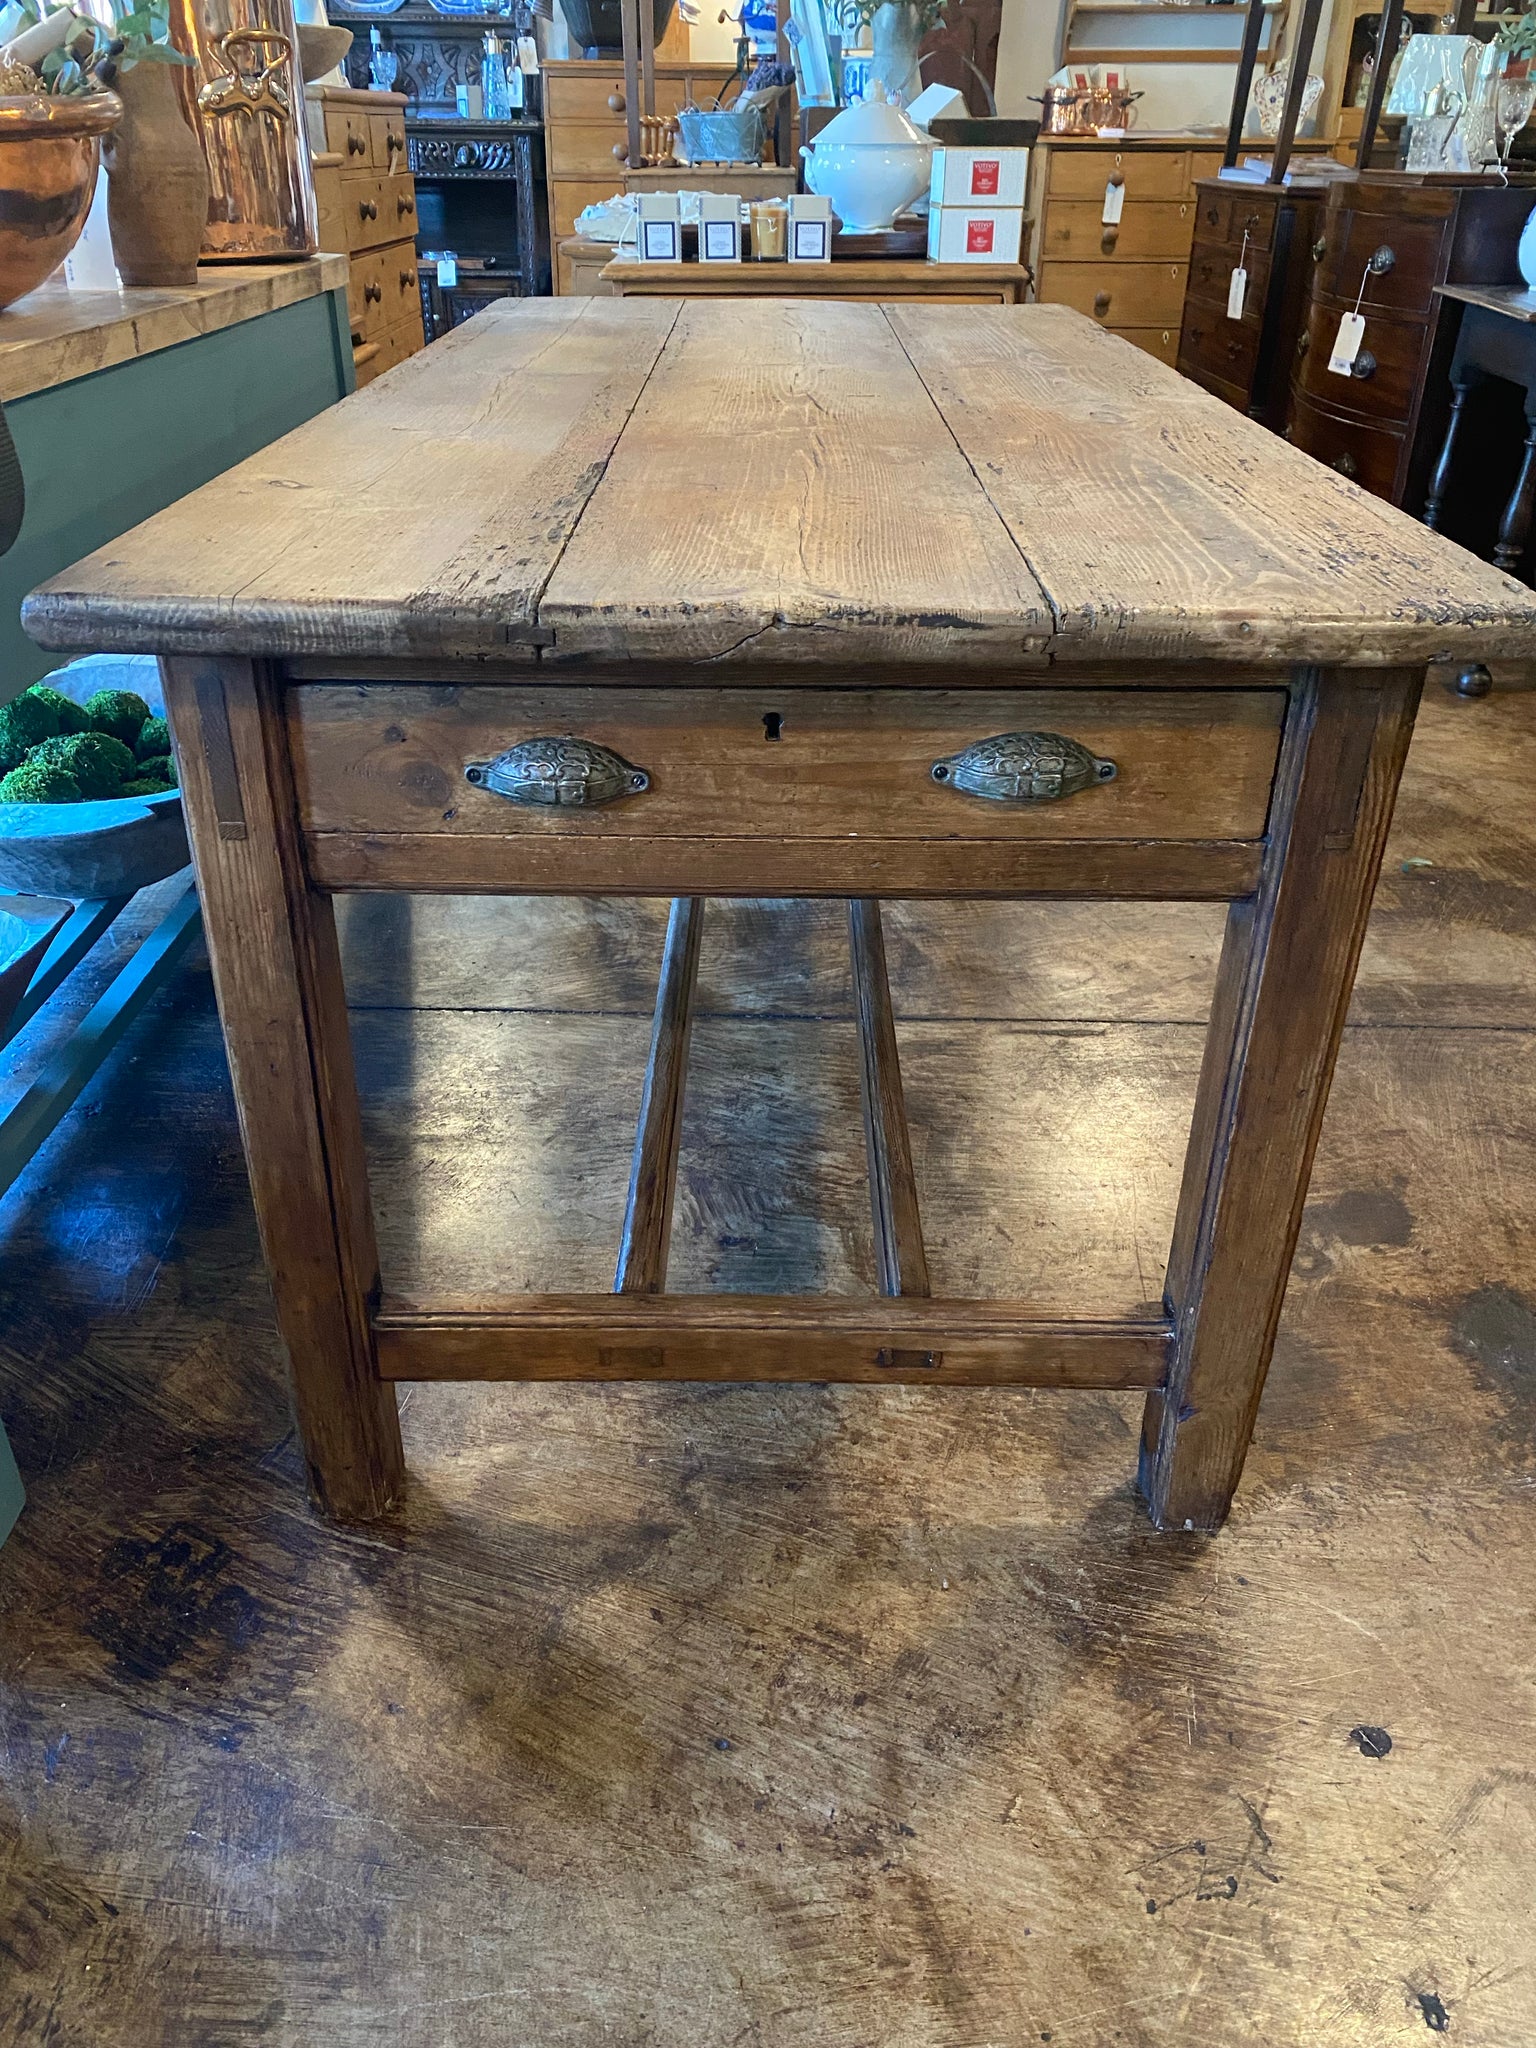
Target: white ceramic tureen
point(870, 162)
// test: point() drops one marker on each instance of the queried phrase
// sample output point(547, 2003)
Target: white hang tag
point(448, 271)
point(1237, 291)
point(1347, 344)
point(1114, 203)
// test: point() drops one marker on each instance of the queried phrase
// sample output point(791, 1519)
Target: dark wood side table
point(1496, 337)
point(779, 598)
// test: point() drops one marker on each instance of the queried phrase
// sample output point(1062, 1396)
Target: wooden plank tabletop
point(786, 480)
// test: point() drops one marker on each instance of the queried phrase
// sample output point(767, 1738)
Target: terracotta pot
point(49, 155)
point(157, 182)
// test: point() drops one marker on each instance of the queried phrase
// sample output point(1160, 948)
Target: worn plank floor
point(737, 1718)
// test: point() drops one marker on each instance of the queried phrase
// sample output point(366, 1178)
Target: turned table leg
point(1282, 990)
point(272, 942)
point(1515, 526)
point(1462, 383)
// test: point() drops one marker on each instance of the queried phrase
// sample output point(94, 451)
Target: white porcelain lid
point(873, 120)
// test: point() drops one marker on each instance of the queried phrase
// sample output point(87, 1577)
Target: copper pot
point(50, 148)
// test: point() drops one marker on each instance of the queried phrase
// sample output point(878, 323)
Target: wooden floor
point(686, 1717)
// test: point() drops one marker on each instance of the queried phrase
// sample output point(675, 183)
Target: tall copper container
point(245, 100)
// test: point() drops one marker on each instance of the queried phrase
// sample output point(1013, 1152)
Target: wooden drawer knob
point(367, 210)
point(621, 152)
point(372, 293)
point(404, 204)
point(1023, 768)
point(1101, 303)
point(407, 280)
point(1108, 240)
point(615, 103)
point(392, 141)
point(357, 145)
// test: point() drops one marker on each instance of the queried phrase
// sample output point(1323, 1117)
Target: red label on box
point(984, 176)
point(978, 237)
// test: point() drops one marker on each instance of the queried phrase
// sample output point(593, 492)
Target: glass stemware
point(1512, 104)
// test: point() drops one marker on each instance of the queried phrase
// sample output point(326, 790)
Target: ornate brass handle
point(253, 86)
point(1382, 260)
point(1364, 365)
point(571, 773)
point(1345, 464)
point(1023, 768)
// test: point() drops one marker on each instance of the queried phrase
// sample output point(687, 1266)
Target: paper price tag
point(1114, 204)
point(1237, 291)
point(1347, 344)
point(448, 271)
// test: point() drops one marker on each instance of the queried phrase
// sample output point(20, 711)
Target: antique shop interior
point(768, 987)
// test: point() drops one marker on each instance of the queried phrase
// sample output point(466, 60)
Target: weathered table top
point(786, 481)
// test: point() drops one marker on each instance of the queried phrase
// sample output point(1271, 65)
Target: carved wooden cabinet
point(1388, 239)
point(367, 201)
point(1268, 230)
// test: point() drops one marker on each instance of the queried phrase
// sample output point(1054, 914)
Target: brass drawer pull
point(1023, 768)
point(570, 773)
point(1383, 260)
point(1319, 250)
point(1345, 464)
point(1364, 365)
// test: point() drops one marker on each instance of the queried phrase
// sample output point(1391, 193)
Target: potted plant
point(1517, 39)
point(50, 146)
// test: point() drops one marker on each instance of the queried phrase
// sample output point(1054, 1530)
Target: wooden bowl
point(49, 152)
point(321, 49)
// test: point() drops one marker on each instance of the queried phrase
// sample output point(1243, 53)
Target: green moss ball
point(154, 740)
point(71, 716)
point(119, 712)
point(99, 763)
point(162, 766)
point(145, 785)
point(23, 722)
point(39, 782)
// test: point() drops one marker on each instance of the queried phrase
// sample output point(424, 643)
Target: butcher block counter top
point(785, 482)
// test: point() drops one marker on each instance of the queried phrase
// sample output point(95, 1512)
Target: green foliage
point(1518, 37)
point(147, 785)
point(39, 782)
point(160, 767)
point(154, 739)
point(23, 722)
point(99, 763)
point(119, 712)
point(70, 715)
point(91, 56)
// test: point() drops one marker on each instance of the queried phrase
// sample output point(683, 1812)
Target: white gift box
point(810, 228)
point(719, 228)
point(978, 177)
point(975, 234)
point(660, 228)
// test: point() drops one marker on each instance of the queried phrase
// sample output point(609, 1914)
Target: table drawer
point(756, 763)
point(365, 295)
point(1386, 372)
point(1130, 295)
point(568, 96)
point(1368, 456)
point(1074, 229)
point(586, 149)
point(346, 132)
point(1211, 345)
point(1148, 174)
point(1224, 218)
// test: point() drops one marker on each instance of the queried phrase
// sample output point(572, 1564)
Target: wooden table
point(763, 577)
point(890, 283)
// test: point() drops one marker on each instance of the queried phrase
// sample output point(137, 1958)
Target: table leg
point(1462, 382)
point(272, 942)
point(1282, 990)
point(1515, 526)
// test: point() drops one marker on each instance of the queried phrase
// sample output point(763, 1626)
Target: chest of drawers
point(1388, 238)
point(1130, 274)
point(367, 202)
point(586, 132)
point(1269, 231)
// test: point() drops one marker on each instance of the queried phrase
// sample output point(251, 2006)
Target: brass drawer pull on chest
point(574, 774)
point(1023, 768)
point(1383, 260)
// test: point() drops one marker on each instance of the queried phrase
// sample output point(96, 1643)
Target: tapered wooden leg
point(272, 942)
point(1282, 991)
point(1434, 498)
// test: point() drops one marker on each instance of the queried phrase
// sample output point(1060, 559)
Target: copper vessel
point(245, 100)
point(49, 151)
